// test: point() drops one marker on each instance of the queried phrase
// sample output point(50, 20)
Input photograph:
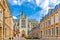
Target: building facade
point(35, 32)
point(6, 21)
point(1, 21)
point(23, 25)
point(33, 23)
point(16, 28)
point(50, 24)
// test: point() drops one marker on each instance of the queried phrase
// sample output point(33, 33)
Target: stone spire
point(22, 10)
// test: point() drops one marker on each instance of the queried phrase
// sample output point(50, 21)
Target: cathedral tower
point(23, 24)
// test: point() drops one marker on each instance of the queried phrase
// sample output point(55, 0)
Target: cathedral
point(23, 25)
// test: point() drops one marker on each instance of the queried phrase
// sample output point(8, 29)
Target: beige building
point(50, 24)
point(6, 21)
point(1, 21)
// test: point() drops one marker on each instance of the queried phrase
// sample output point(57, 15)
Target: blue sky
point(34, 9)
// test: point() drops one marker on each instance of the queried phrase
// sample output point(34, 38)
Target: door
point(23, 33)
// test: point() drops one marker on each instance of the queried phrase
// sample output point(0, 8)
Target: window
point(52, 20)
point(0, 15)
point(43, 33)
point(49, 32)
point(46, 32)
point(23, 20)
point(43, 25)
point(56, 19)
point(23, 23)
point(57, 31)
point(53, 32)
point(48, 23)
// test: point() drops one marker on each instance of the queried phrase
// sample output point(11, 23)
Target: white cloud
point(15, 1)
point(53, 1)
point(14, 17)
point(19, 2)
point(37, 2)
point(29, 0)
point(44, 4)
point(36, 16)
point(44, 11)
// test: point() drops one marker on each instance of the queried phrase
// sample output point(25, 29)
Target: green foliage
point(10, 38)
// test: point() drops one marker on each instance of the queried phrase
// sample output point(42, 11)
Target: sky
point(34, 9)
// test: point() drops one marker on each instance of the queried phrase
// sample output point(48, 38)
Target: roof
point(51, 12)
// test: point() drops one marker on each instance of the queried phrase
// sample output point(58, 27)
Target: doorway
point(23, 33)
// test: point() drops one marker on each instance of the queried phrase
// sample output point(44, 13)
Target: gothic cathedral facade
point(23, 25)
